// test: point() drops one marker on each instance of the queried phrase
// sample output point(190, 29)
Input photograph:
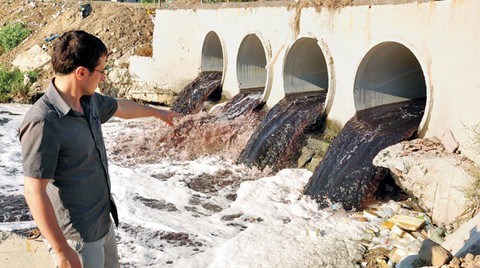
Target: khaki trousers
point(100, 253)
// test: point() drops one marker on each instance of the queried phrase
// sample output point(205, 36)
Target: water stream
point(278, 140)
point(346, 173)
point(207, 86)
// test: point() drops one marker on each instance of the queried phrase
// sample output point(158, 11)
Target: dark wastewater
point(278, 140)
point(346, 173)
point(206, 87)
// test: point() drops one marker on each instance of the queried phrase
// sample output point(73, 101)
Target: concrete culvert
point(305, 68)
point(388, 73)
point(212, 53)
point(251, 62)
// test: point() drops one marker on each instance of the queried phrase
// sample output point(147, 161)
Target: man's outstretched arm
point(44, 216)
point(129, 109)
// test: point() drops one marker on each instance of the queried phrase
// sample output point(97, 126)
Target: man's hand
point(167, 116)
point(44, 216)
point(129, 109)
point(68, 259)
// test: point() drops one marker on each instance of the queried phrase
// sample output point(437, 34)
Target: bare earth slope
point(123, 27)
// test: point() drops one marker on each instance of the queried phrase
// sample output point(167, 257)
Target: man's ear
point(80, 72)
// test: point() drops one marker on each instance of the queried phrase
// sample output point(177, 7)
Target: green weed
point(12, 85)
point(12, 34)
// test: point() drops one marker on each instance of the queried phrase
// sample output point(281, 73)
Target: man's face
point(95, 77)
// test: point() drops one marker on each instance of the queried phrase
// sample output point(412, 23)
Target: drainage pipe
point(251, 64)
point(388, 73)
point(212, 54)
point(305, 68)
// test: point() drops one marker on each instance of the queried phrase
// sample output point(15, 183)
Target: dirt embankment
point(126, 28)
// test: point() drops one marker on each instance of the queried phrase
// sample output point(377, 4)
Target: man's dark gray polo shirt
point(61, 144)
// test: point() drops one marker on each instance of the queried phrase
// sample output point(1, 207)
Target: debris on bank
point(399, 234)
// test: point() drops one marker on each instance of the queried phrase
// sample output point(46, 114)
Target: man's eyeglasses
point(105, 71)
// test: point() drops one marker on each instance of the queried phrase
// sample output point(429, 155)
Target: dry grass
point(144, 50)
point(472, 193)
point(318, 5)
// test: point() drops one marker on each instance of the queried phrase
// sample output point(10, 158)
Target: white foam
point(270, 224)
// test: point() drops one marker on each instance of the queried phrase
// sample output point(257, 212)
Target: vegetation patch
point(12, 34)
point(473, 193)
point(15, 85)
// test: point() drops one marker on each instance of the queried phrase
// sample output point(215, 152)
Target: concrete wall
point(365, 56)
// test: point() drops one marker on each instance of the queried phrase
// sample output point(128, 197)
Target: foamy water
point(207, 212)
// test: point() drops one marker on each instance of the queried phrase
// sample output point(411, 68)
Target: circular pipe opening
point(305, 67)
point(212, 54)
point(251, 62)
point(388, 73)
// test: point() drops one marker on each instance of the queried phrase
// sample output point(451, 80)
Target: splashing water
point(278, 139)
point(346, 173)
point(203, 213)
point(221, 134)
point(242, 103)
point(207, 86)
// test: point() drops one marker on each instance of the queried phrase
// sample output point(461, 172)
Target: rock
point(307, 154)
point(469, 257)
point(432, 253)
point(31, 59)
point(119, 75)
point(26, 79)
point(455, 262)
point(476, 260)
point(312, 165)
point(436, 178)
point(313, 153)
point(149, 92)
point(449, 142)
point(411, 261)
point(437, 235)
point(465, 239)
point(396, 255)
point(407, 222)
point(317, 145)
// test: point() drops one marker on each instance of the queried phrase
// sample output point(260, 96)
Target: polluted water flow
point(205, 212)
point(278, 140)
point(346, 173)
point(223, 132)
point(206, 87)
point(242, 103)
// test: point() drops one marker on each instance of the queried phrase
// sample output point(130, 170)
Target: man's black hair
point(77, 48)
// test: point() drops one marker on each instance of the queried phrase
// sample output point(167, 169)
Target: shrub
point(12, 34)
point(12, 84)
point(32, 76)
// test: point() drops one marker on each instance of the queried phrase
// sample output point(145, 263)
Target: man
point(67, 186)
